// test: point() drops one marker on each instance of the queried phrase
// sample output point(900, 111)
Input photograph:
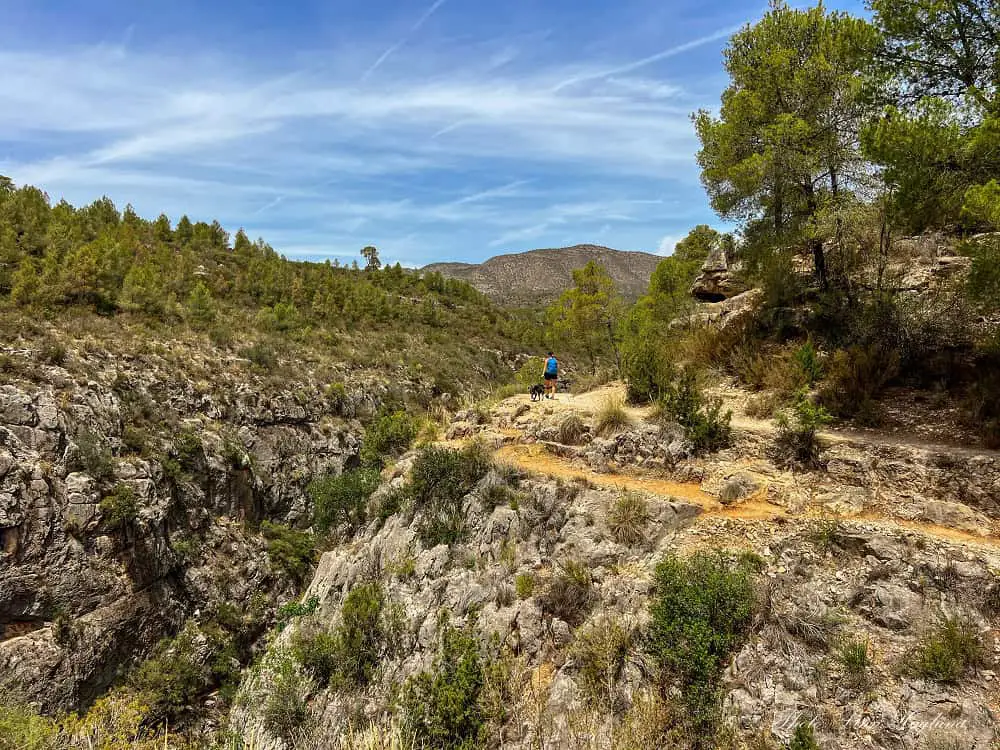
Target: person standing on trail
point(551, 375)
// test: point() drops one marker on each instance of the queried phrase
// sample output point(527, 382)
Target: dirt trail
point(591, 402)
point(536, 459)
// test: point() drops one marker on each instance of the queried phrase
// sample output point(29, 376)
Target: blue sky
point(433, 129)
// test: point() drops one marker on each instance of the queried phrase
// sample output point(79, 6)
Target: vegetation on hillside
point(836, 136)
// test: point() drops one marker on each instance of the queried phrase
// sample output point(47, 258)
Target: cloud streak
point(392, 49)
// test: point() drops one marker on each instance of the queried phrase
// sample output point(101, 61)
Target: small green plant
point(809, 363)
point(703, 421)
point(288, 612)
point(188, 449)
point(824, 533)
point(134, 440)
point(702, 610)
point(261, 356)
point(442, 707)
point(94, 457)
point(121, 507)
point(524, 585)
point(797, 442)
point(628, 517)
point(21, 728)
point(949, 650)
point(341, 501)
point(52, 352)
point(387, 437)
point(854, 655)
point(612, 418)
point(600, 653)
point(570, 594)
point(439, 482)
point(290, 551)
point(285, 712)
point(804, 738)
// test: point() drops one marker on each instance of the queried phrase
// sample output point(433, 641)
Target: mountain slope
point(539, 276)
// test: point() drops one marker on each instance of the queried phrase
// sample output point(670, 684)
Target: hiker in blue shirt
point(551, 375)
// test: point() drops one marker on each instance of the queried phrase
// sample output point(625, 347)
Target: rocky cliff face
point(875, 546)
point(540, 276)
point(131, 488)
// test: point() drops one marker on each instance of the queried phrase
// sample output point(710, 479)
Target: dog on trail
point(537, 391)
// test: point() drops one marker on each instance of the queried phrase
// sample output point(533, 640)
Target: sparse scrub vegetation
point(855, 658)
point(600, 653)
point(797, 442)
point(804, 738)
point(349, 656)
point(340, 502)
point(628, 517)
point(442, 706)
point(290, 552)
point(121, 507)
point(702, 610)
point(524, 585)
point(570, 594)
point(571, 429)
point(440, 480)
point(285, 713)
point(388, 437)
point(703, 421)
point(949, 650)
point(612, 418)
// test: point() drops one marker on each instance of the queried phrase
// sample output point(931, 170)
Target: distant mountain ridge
point(540, 276)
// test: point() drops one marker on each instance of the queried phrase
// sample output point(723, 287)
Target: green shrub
point(285, 713)
point(134, 440)
point(341, 501)
point(260, 356)
point(949, 650)
point(703, 421)
point(600, 653)
point(804, 738)
point(524, 585)
point(797, 442)
point(287, 612)
point(52, 352)
point(702, 610)
point(442, 707)
point(612, 418)
point(388, 436)
point(121, 507)
point(318, 651)
point(290, 551)
point(94, 457)
point(809, 363)
point(628, 517)
point(188, 449)
point(369, 630)
point(23, 729)
point(183, 668)
point(570, 594)
point(439, 482)
point(854, 655)
point(646, 370)
point(855, 380)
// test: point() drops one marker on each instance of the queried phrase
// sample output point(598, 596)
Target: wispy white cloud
point(665, 54)
point(391, 50)
point(493, 154)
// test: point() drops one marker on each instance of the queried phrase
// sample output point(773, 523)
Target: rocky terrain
point(868, 552)
point(540, 276)
point(135, 479)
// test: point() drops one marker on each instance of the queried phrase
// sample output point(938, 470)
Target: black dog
point(537, 391)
